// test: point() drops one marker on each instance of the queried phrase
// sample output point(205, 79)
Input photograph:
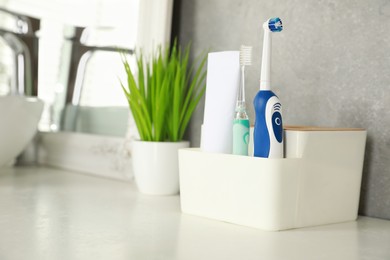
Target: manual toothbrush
point(241, 119)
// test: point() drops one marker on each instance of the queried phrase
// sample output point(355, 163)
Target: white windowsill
point(99, 155)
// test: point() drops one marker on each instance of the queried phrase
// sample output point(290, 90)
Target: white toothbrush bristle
point(245, 55)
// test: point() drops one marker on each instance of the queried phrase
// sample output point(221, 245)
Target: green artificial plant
point(164, 92)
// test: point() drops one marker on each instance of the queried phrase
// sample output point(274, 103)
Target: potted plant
point(162, 96)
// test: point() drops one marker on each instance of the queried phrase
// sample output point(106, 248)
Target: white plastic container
point(317, 183)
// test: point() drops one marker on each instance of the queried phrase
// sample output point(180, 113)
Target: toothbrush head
point(273, 24)
point(245, 55)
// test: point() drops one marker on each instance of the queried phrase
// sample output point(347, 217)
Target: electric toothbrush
point(268, 130)
point(241, 119)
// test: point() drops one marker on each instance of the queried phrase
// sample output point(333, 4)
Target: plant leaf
point(190, 110)
point(198, 77)
point(166, 92)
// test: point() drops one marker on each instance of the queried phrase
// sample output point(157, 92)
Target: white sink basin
point(19, 117)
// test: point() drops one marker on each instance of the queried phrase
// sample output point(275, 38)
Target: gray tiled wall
point(331, 67)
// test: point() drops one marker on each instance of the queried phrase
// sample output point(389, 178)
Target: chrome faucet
point(80, 55)
point(22, 39)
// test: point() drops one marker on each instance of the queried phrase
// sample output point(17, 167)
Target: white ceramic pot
point(156, 166)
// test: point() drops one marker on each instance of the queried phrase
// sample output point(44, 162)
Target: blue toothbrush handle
point(268, 130)
point(240, 136)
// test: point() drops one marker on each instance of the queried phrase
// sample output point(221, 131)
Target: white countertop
point(48, 213)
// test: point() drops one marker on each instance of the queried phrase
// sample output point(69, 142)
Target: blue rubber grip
point(261, 134)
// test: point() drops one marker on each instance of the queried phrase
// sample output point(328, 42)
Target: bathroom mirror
point(95, 104)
